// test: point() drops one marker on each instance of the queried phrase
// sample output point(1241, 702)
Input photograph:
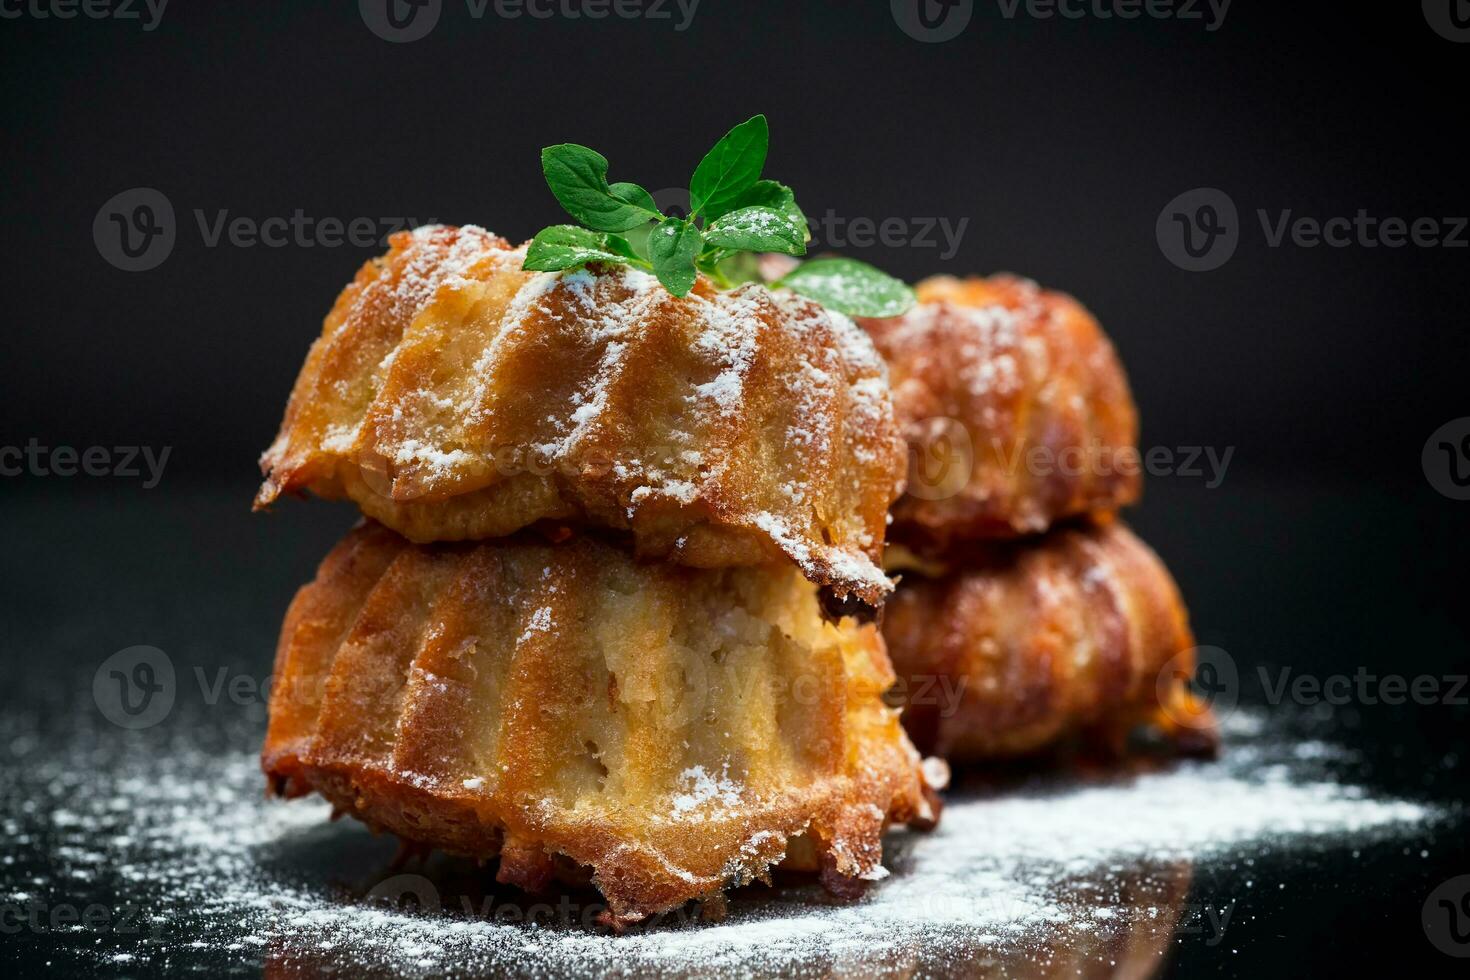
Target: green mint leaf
point(773, 194)
point(758, 229)
point(634, 194)
point(850, 287)
point(578, 178)
point(624, 249)
point(637, 239)
point(673, 246)
point(729, 168)
point(567, 246)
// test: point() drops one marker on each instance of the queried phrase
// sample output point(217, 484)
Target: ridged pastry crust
point(455, 396)
point(1015, 407)
point(1029, 643)
point(673, 729)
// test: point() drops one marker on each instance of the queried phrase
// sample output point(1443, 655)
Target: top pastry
point(1015, 407)
point(455, 395)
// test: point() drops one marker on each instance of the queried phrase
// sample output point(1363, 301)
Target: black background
point(1324, 549)
point(1059, 140)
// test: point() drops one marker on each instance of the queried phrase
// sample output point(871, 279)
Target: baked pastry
point(1029, 643)
point(1015, 408)
point(455, 396)
point(675, 730)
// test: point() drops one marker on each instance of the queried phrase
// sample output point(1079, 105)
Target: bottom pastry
point(1026, 645)
point(674, 731)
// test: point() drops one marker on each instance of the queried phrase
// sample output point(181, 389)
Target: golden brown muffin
point(673, 729)
point(455, 396)
point(1028, 643)
point(1015, 408)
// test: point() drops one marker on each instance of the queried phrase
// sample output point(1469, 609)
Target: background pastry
point(1015, 407)
point(1021, 645)
point(453, 395)
point(676, 730)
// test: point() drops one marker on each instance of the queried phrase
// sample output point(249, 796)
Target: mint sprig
point(578, 178)
point(733, 213)
point(568, 246)
point(850, 286)
point(673, 247)
point(732, 165)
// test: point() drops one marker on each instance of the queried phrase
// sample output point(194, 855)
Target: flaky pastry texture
point(1023, 645)
point(453, 396)
point(675, 730)
point(1016, 411)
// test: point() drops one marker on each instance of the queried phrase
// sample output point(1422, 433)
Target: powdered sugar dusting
point(434, 265)
point(773, 413)
point(219, 875)
point(705, 792)
point(847, 566)
point(540, 622)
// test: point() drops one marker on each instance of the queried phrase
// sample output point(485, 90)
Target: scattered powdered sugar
point(215, 877)
point(845, 565)
point(731, 330)
point(540, 622)
point(424, 426)
point(439, 463)
point(445, 255)
point(705, 792)
point(986, 339)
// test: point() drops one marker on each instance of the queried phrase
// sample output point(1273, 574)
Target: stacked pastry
point(601, 618)
point(1028, 616)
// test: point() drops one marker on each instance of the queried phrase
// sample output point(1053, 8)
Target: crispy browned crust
point(455, 396)
point(674, 729)
point(1067, 634)
point(1015, 408)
